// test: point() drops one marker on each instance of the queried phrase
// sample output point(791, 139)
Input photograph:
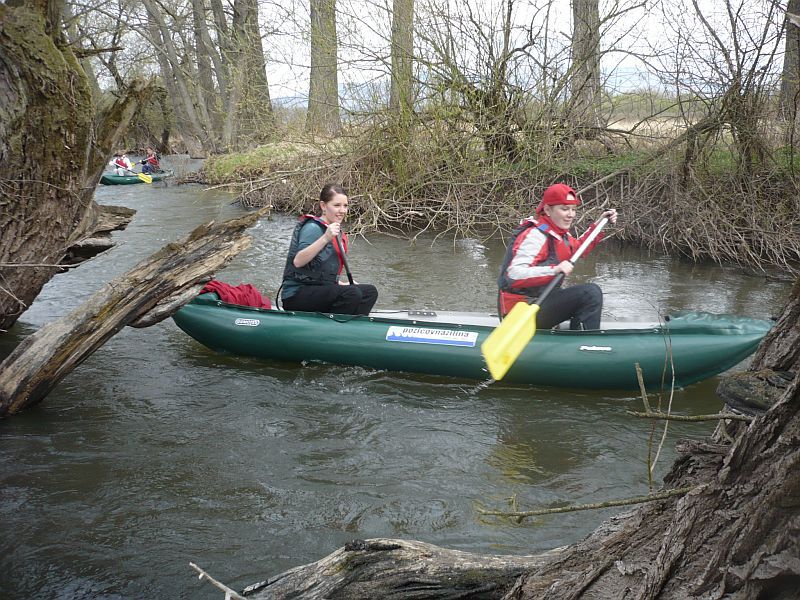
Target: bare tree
point(54, 144)
point(251, 120)
point(790, 78)
point(181, 89)
point(476, 56)
point(401, 92)
point(585, 74)
point(209, 96)
point(721, 70)
point(323, 92)
point(209, 55)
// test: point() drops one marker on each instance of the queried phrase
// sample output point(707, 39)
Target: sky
point(637, 36)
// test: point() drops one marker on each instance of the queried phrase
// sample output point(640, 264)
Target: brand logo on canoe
point(425, 335)
point(596, 348)
point(247, 322)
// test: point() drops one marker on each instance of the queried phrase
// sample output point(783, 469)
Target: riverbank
point(466, 194)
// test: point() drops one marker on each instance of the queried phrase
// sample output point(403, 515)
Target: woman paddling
point(315, 261)
point(150, 163)
point(540, 249)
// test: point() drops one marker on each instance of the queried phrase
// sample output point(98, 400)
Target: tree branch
point(29, 373)
point(519, 515)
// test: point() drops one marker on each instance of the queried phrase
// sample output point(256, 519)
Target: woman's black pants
point(356, 299)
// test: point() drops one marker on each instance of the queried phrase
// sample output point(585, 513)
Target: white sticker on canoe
point(596, 348)
point(247, 322)
point(425, 335)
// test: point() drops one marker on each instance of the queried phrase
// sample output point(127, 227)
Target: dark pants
point(357, 299)
point(581, 304)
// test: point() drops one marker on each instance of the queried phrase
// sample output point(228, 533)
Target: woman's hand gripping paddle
point(340, 247)
point(508, 340)
point(143, 176)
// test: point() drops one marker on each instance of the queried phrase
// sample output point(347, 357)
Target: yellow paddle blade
point(509, 339)
point(145, 177)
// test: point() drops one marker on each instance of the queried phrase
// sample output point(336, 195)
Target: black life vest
point(317, 271)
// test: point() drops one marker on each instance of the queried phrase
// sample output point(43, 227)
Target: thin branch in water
point(229, 593)
point(669, 417)
point(642, 390)
point(519, 515)
point(652, 466)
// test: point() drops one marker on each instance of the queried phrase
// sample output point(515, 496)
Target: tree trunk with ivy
point(251, 119)
point(401, 91)
point(54, 144)
point(196, 132)
point(323, 85)
point(585, 84)
point(735, 534)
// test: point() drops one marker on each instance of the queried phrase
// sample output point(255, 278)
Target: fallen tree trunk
point(735, 534)
point(147, 294)
point(389, 569)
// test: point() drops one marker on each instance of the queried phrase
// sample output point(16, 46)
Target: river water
point(156, 452)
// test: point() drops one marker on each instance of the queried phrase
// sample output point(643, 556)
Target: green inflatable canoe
point(113, 179)
point(697, 345)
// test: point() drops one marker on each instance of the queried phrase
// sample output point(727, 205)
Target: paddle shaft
point(556, 281)
point(340, 246)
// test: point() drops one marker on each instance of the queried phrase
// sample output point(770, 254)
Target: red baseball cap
point(557, 194)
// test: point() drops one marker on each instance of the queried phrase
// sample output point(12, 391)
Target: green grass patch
point(599, 166)
point(788, 160)
point(257, 162)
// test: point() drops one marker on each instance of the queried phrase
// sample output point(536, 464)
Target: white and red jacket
point(122, 162)
point(537, 246)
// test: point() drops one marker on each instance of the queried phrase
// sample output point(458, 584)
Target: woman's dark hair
point(329, 190)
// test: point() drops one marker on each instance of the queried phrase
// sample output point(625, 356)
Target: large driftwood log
point(381, 568)
point(150, 292)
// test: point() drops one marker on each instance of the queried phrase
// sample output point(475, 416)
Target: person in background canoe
point(121, 164)
point(314, 263)
point(540, 248)
point(150, 164)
